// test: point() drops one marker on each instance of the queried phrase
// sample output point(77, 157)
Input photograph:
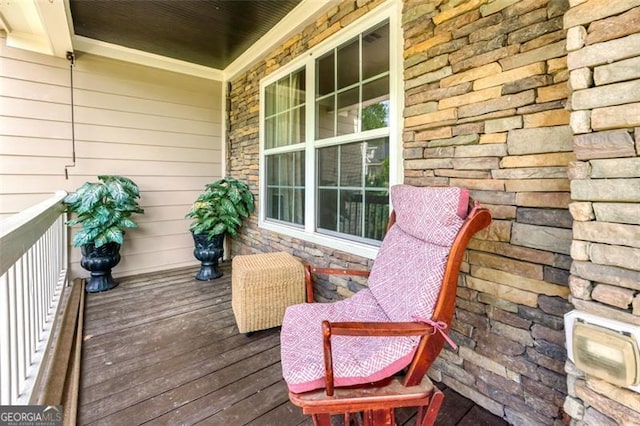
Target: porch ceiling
point(212, 33)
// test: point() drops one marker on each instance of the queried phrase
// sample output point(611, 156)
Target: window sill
point(352, 247)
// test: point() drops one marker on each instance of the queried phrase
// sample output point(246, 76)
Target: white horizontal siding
point(26, 184)
point(161, 129)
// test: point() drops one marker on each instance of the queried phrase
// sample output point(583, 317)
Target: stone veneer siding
point(485, 108)
point(243, 151)
point(603, 40)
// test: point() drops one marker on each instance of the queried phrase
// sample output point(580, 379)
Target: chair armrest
point(380, 329)
point(309, 270)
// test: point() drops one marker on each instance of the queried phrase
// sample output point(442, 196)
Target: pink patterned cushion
point(356, 360)
point(407, 276)
point(431, 214)
point(404, 284)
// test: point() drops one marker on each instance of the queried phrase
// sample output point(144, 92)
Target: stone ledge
point(614, 27)
point(515, 59)
point(615, 168)
point(611, 295)
point(607, 274)
point(531, 173)
point(458, 10)
point(539, 140)
point(612, 255)
point(605, 53)
point(603, 403)
point(614, 190)
point(471, 75)
point(511, 294)
point(608, 233)
point(518, 281)
point(510, 76)
point(617, 213)
point(594, 10)
point(609, 95)
point(557, 240)
point(616, 117)
point(618, 71)
point(608, 144)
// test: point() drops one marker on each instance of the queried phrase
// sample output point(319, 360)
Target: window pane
point(377, 163)
point(348, 64)
point(283, 95)
point(282, 135)
point(351, 213)
point(298, 203)
point(376, 214)
point(359, 201)
point(284, 111)
point(270, 132)
point(298, 169)
point(286, 204)
point(351, 164)
point(272, 170)
point(324, 75)
point(328, 209)
point(270, 100)
point(285, 187)
point(273, 202)
point(285, 177)
point(296, 124)
point(375, 104)
point(375, 51)
point(325, 118)
point(298, 88)
point(328, 166)
point(348, 103)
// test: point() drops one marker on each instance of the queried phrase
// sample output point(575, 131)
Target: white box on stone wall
point(604, 348)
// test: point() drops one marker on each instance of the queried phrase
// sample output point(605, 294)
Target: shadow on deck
point(164, 349)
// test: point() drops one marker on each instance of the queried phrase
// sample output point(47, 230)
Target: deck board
point(164, 349)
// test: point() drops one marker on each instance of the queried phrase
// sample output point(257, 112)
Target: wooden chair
point(319, 333)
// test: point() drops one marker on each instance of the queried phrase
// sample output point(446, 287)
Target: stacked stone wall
point(603, 40)
point(486, 109)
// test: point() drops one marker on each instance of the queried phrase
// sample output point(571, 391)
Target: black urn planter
point(208, 251)
point(99, 262)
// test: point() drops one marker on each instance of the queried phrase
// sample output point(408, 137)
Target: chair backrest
point(416, 272)
point(431, 345)
point(407, 274)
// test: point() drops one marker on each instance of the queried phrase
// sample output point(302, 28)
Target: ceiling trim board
point(25, 27)
point(53, 16)
point(114, 51)
point(303, 14)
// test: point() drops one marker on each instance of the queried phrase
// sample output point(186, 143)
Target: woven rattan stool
point(262, 286)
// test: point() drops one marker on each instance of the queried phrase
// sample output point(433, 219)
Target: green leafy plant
point(221, 208)
point(103, 209)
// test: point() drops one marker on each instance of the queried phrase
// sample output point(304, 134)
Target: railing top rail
point(20, 231)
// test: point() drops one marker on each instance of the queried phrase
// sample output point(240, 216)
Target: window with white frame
point(327, 141)
point(284, 137)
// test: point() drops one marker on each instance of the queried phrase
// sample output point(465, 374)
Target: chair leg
point(325, 419)
point(382, 417)
point(356, 420)
point(428, 417)
point(321, 419)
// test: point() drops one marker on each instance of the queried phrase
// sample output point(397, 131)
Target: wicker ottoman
point(262, 286)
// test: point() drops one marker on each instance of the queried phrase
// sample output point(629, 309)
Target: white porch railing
point(33, 272)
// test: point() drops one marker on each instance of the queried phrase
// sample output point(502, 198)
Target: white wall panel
point(160, 128)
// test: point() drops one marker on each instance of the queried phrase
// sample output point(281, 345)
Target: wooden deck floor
point(164, 349)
